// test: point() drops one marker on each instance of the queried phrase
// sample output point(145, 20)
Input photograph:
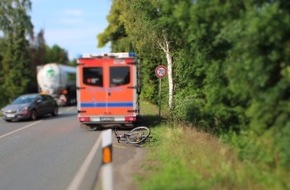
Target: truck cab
point(108, 88)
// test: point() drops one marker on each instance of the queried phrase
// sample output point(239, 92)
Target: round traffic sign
point(161, 71)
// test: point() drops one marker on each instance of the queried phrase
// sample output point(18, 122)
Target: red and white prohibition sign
point(161, 71)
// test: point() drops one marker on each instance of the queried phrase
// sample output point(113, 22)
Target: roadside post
point(107, 169)
point(160, 72)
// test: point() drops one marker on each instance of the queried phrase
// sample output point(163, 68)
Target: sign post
point(160, 72)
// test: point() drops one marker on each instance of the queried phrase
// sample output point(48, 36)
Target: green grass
point(180, 157)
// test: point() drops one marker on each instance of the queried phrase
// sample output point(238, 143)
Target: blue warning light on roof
point(78, 56)
point(132, 54)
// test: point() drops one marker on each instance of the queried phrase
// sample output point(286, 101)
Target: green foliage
point(55, 54)
point(37, 49)
point(14, 16)
point(20, 56)
point(149, 91)
point(282, 150)
point(16, 68)
point(2, 48)
point(115, 32)
point(230, 67)
point(182, 158)
point(16, 25)
point(256, 74)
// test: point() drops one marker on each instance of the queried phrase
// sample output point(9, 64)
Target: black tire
point(138, 135)
point(96, 127)
point(33, 115)
point(91, 127)
point(54, 111)
point(84, 126)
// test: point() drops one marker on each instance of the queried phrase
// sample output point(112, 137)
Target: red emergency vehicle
point(108, 88)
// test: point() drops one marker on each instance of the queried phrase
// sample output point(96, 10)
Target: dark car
point(30, 106)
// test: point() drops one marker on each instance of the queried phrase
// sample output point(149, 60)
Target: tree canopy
point(21, 51)
point(16, 26)
point(230, 62)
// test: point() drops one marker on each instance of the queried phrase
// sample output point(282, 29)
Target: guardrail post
point(107, 168)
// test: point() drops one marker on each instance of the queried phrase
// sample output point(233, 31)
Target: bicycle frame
point(119, 137)
point(135, 136)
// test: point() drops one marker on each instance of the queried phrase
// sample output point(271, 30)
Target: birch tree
point(151, 27)
point(165, 46)
point(160, 25)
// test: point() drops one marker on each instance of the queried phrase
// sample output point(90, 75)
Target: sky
point(71, 24)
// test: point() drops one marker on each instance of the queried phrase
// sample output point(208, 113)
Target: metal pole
point(160, 97)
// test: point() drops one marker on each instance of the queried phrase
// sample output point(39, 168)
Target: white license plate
point(106, 119)
point(10, 115)
point(94, 119)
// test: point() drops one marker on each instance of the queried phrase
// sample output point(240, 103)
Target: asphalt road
point(47, 154)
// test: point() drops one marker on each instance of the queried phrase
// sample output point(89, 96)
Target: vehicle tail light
point(84, 119)
point(64, 91)
point(130, 118)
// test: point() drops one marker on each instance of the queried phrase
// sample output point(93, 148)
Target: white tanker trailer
point(59, 81)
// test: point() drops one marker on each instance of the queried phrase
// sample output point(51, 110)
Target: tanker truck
point(59, 81)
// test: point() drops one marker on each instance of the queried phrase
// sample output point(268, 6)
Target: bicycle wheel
point(138, 135)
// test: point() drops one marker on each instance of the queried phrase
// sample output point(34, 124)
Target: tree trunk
point(166, 50)
point(170, 80)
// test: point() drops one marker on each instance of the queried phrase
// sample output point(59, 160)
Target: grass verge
point(180, 157)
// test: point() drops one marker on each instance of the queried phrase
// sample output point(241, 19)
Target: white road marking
point(25, 127)
point(76, 182)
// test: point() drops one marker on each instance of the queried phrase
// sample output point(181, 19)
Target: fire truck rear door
point(92, 95)
point(121, 91)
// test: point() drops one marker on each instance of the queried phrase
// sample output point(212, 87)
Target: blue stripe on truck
point(103, 104)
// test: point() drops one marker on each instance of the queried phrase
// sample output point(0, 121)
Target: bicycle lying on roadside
point(134, 136)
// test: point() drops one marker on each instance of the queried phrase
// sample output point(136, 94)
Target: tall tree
point(2, 49)
point(56, 54)
point(16, 26)
point(37, 49)
point(115, 32)
point(37, 57)
point(119, 34)
point(145, 25)
point(151, 28)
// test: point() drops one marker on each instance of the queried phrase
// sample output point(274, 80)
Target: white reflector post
point(107, 169)
point(107, 138)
